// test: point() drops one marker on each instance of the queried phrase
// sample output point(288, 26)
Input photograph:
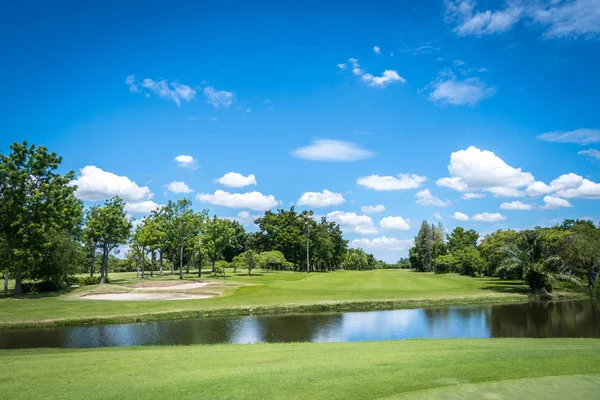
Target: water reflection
point(552, 319)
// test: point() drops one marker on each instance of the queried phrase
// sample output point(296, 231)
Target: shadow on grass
point(26, 296)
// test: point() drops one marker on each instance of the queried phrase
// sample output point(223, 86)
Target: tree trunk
point(307, 255)
point(181, 262)
point(199, 266)
point(213, 266)
point(137, 266)
point(152, 265)
point(143, 261)
point(18, 288)
point(104, 267)
point(172, 264)
point(93, 260)
point(592, 275)
point(6, 281)
point(161, 262)
point(187, 264)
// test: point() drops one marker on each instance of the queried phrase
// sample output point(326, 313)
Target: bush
point(444, 264)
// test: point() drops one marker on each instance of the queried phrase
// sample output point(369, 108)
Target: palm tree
point(306, 218)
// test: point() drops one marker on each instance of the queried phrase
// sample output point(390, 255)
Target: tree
point(271, 260)
point(182, 226)
point(34, 201)
point(306, 220)
point(216, 237)
point(582, 251)
point(111, 223)
point(461, 239)
point(421, 254)
point(91, 236)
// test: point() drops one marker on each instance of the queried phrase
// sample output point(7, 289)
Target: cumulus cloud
point(332, 150)
point(325, 198)
point(94, 184)
point(475, 170)
point(567, 186)
point(218, 98)
point(185, 161)
point(382, 243)
point(173, 91)
point(553, 202)
point(398, 182)
point(233, 179)
point(516, 205)
point(252, 200)
point(388, 76)
point(377, 49)
point(456, 92)
point(398, 223)
point(361, 224)
point(578, 136)
point(488, 217)
point(373, 209)
point(557, 18)
point(460, 216)
point(179, 187)
point(425, 198)
point(141, 207)
point(245, 218)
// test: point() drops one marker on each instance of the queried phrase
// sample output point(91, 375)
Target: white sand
point(179, 286)
point(146, 296)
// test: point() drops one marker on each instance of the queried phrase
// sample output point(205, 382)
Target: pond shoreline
point(343, 306)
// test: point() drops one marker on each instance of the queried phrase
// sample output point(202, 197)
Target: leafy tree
point(111, 224)
point(421, 254)
point(217, 235)
point(183, 226)
point(273, 260)
point(461, 239)
point(582, 251)
point(445, 263)
point(490, 249)
point(34, 201)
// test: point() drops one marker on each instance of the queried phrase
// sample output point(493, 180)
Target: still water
point(539, 319)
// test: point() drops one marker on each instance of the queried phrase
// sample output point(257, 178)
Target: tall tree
point(34, 201)
point(421, 254)
point(91, 235)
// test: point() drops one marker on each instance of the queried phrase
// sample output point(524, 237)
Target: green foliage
point(358, 260)
point(37, 205)
point(445, 263)
point(429, 244)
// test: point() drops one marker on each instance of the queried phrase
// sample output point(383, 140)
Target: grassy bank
point(263, 293)
point(473, 368)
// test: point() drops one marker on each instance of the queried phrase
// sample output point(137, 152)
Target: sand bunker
point(146, 296)
point(178, 286)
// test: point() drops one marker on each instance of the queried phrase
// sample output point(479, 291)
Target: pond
point(535, 320)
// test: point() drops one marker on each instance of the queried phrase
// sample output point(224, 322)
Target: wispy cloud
point(579, 136)
point(388, 76)
point(218, 98)
point(456, 92)
point(332, 150)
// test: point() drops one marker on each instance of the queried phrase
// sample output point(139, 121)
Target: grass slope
point(272, 292)
point(472, 368)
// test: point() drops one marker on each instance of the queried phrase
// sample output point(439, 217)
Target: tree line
point(540, 256)
point(47, 236)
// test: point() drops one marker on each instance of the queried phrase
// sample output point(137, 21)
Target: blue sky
point(483, 114)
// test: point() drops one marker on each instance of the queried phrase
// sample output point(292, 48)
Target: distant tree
point(36, 204)
point(461, 239)
point(582, 251)
point(421, 254)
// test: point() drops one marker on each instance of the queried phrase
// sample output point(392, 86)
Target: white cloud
point(245, 218)
point(398, 182)
point(425, 198)
point(252, 200)
point(178, 187)
point(173, 91)
point(460, 216)
point(578, 136)
point(516, 205)
point(488, 217)
point(377, 49)
point(437, 215)
point(559, 19)
point(373, 209)
point(475, 170)
point(471, 22)
point(361, 224)
point(471, 195)
point(567, 185)
point(553, 202)
point(332, 150)
point(218, 98)
point(321, 199)
point(388, 77)
point(94, 184)
point(382, 243)
point(467, 92)
point(141, 207)
point(184, 161)
point(394, 223)
point(233, 179)
point(592, 153)
point(569, 18)
point(342, 66)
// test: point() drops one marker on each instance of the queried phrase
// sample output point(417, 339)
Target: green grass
point(273, 292)
point(413, 369)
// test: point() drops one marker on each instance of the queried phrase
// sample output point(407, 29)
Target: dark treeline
point(540, 256)
point(46, 237)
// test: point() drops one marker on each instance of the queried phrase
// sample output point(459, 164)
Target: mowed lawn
point(413, 369)
point(272, 289)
